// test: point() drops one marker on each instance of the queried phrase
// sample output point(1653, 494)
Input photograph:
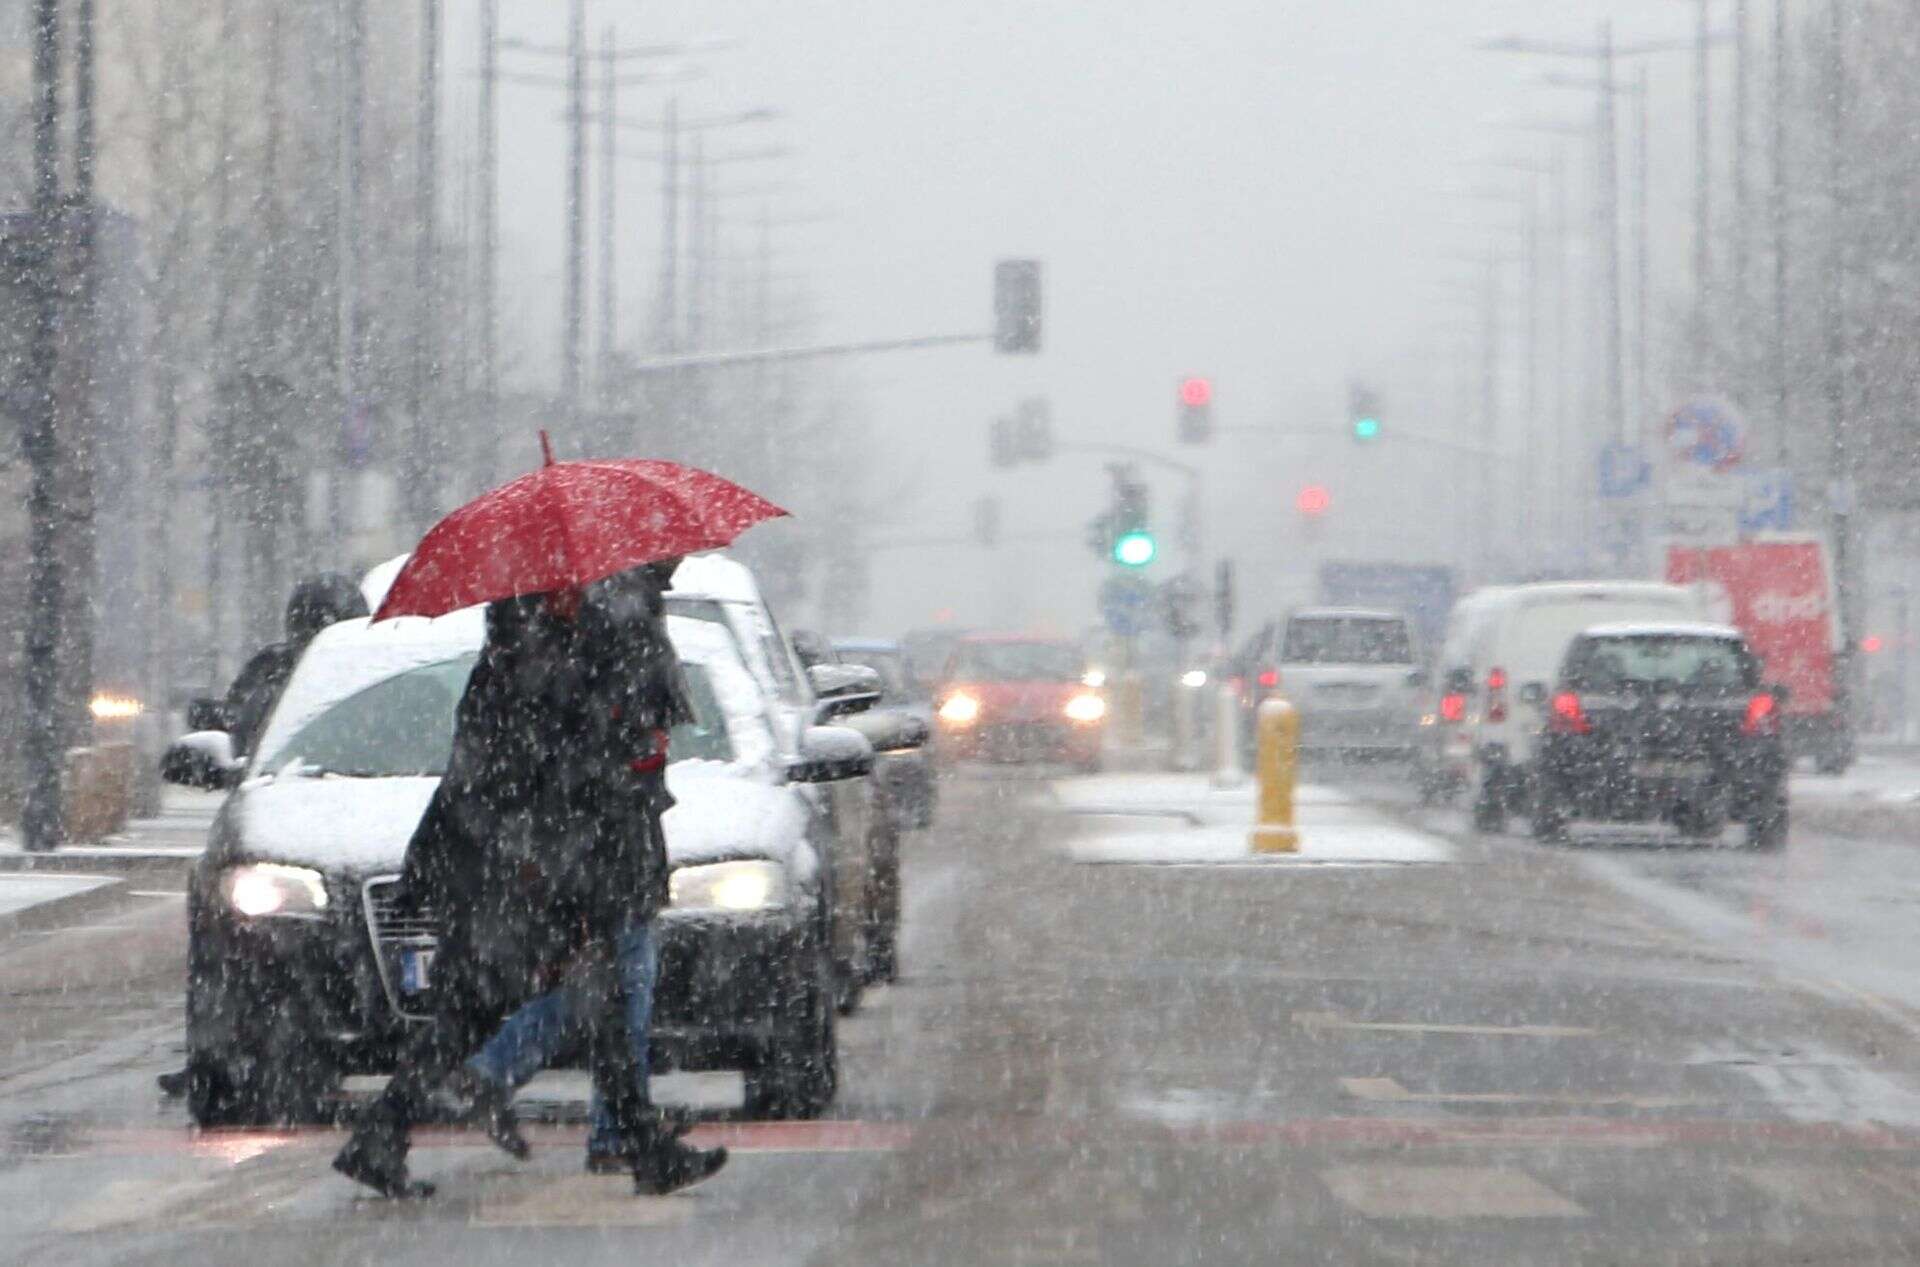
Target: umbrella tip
point(546, 447)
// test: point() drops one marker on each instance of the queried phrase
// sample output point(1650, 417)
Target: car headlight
point(268, 888)
point(1086, 708)
point(1194, 679)
point(1096, 678)
point(728, 886)
point(960, 709)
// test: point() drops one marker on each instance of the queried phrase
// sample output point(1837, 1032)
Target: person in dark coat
point(473, 864)
point(316, 602)
point(640, 694)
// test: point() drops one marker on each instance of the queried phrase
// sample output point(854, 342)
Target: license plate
point(1668, 769)
point(416, 970)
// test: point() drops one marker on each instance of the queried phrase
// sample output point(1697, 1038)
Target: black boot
point(491, 1105)
point(377, 1157)
point(663, 1164)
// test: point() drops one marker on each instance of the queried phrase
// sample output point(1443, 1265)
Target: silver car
point(1355, 675)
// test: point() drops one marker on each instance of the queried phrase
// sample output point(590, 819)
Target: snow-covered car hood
point(361, 826)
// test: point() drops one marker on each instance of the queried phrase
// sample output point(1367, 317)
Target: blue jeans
point(534, 1035)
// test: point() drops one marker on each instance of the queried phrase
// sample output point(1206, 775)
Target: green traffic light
point(1366, 428)
point(1134, 549)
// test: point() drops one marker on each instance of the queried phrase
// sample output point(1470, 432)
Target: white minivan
point(1503, 657)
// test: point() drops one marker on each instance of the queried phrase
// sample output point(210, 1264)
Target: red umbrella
point(566, 525)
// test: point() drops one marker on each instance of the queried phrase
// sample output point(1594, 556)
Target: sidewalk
point(173, 837)
point(1182, 819)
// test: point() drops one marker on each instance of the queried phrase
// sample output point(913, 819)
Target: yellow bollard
point(1276, 765)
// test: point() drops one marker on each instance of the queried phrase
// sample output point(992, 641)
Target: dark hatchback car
point(1663, 723)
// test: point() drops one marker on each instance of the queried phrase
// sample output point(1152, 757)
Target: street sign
point(1624, 470)
point(1126, 604)
point(1768, 506)
point(1707, 432)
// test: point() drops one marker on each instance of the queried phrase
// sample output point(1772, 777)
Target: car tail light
point(1453, 707)
point(1763, 716)
point(1269, 679)
point(1496, 695)
point(1566, 717)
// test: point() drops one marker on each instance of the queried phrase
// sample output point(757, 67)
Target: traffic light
point(1033, 428)
point(1003, 444)
point(1016, 306)
point(1363, 413)
point(1196, 409)
point(1313, 501)
point(1134, 545)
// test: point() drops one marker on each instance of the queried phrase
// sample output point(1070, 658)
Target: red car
point(1011, 698)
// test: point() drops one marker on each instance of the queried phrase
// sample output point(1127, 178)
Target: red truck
point(1779, 591)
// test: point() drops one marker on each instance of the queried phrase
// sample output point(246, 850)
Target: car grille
point(395, 929)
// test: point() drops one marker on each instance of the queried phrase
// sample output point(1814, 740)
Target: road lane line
point(1447, 1192)
point(1313, 1021)
point(1387, 1090)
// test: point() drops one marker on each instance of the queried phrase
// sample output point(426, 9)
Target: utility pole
point(608, 103)
point(670, 230)
point(1609, 217)
point(1737, 292)
point(572, 351)
point(42, 818)
point(1489, 404)
point(1777, 210)
point(1840, 488)
point(1702, 186)
point(351, 50)
point(419, 468)
point(83, 345)
point(488, 192)
point(1642, 253)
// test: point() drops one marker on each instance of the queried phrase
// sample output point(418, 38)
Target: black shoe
point(382, 1166)
point(670, 1165)
point(174, 1085)
point(491, 1105)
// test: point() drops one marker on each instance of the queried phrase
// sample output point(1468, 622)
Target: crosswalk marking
point(1313, 1021)
point(1446, 1192)
point(1386, 1089)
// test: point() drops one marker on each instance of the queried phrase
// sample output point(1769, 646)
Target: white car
point(1355, 675)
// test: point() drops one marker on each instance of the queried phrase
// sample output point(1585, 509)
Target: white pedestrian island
point(1182, 819)
point(24, 890)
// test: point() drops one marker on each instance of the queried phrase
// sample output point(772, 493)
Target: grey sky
point(1252, 190)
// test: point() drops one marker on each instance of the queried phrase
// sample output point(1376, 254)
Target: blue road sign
point(1126, 604)
point(1707, 431)
point(1624, 470)
point(1768, 506)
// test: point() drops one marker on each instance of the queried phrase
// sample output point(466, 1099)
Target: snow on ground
point(1172, 819)
point(1877, 778)
point(22, 890)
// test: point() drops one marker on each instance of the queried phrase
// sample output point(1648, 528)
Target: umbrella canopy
point(566, 525)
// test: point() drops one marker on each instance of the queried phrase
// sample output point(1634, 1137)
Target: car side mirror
point(829, 754)
point(1418, 678)
point(1534, 694)
point(842, 689)
point(207, 713)
point(203, 759)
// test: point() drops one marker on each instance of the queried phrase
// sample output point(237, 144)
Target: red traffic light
point(1314, 499)
point(1873, 644)
point(1196, 391)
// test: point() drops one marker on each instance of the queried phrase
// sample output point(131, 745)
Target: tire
point(1833, 758)
point(1489, 809)
point(1548, 818)
point(219, 1093)
point(1767, 832)
point(797, 1074)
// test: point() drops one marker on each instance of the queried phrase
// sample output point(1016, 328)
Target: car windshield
point(896, 683)
point(403, 725)
point(1346, 640)
point(1015, 662)
point(1713, 666)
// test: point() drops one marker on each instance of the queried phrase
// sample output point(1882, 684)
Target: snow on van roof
point(1662, 629)
point(1346, 613)
point(715, 575)
point(1553, 591)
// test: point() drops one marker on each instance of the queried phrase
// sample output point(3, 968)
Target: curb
point(128, 865)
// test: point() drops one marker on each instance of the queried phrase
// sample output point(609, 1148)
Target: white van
point(1509, 647)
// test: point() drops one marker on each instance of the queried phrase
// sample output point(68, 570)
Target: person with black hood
point(316, 602)
point(543, 847)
